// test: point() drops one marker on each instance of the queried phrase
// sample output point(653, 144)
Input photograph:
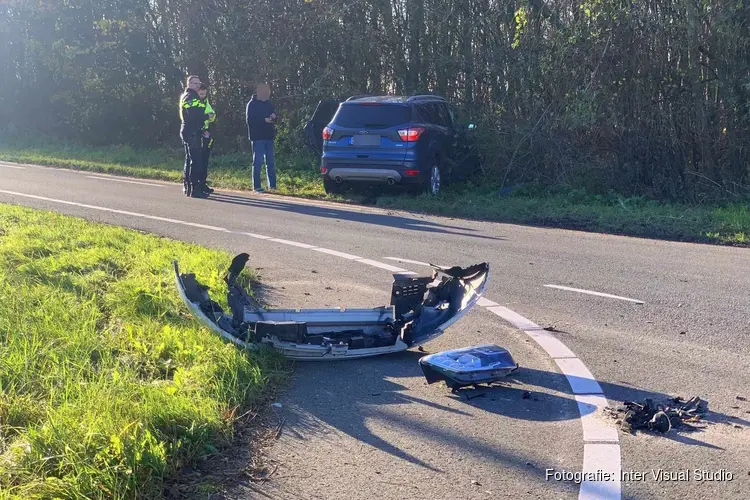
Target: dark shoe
point(208, 190)
point(198, 194)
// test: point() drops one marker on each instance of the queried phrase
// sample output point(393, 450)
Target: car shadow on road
point(393, 221)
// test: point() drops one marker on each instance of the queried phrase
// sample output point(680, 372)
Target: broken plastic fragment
point(481, 364)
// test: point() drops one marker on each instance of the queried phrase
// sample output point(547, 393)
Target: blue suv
point(412, 141)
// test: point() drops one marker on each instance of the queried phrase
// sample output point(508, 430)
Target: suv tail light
point(327, 133)
point(411, 134)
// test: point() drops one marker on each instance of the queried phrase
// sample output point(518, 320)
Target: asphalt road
point(372, 428)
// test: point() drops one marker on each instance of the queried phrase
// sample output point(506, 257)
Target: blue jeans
point(261, 150)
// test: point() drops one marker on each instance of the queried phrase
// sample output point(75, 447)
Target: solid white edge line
point(579, 377)
point(381, 265)
point(590, 401)
point(486, 303)
point(514, 318)
point(407, 261)
point(115, 211)
point(336, 253)
point(596, 426)
point(12, 166)
point(601, 460)
point(253, 235)
point(123, 180)
point(551, 344)
point(292, 243)
point(591, 292)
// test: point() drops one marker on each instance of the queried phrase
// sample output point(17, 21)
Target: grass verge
point(107, 386)
point(484, 200)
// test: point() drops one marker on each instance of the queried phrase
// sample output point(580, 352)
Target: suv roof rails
point(425, 97)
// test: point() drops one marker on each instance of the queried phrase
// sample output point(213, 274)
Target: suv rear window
point(372, 116)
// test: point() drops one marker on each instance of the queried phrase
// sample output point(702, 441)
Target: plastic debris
point(480, 364)
point(661, 417)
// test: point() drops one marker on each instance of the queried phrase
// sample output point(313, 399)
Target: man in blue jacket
point(261, 131)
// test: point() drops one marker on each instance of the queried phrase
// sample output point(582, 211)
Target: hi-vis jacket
point(192, 115)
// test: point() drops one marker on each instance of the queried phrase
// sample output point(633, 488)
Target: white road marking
point(486, 303)
point(115, 211)
point(551, 344)
point(599, 294)
point(596, 426)
point(292, 243)
point(514, 318)
point(4, 165)
point(336, 253)
point(407, 261)
point(381, 265)
point(604, 457)
point(123, 180)
point(253, 235)
point(579, 377)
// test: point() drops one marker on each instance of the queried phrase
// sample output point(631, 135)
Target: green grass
point(298, 176)
point(107, 386)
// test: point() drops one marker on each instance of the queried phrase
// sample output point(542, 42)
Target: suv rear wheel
point(433, 181)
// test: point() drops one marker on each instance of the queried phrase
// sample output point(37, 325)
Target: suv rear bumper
point(343, 174)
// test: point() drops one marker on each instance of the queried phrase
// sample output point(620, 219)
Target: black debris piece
point(661, 418)
point(480, 395)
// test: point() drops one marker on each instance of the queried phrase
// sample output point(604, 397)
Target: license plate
point(365, 140)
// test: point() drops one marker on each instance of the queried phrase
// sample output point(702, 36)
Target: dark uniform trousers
point(207, 145)
point(194, 173)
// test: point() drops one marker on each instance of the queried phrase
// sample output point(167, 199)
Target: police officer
point(193, 116)
point(207, 138)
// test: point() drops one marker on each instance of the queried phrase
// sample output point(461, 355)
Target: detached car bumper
point(421, 309)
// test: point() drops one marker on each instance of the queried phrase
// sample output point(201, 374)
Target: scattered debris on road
point(740, 398)
point(660, 417)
